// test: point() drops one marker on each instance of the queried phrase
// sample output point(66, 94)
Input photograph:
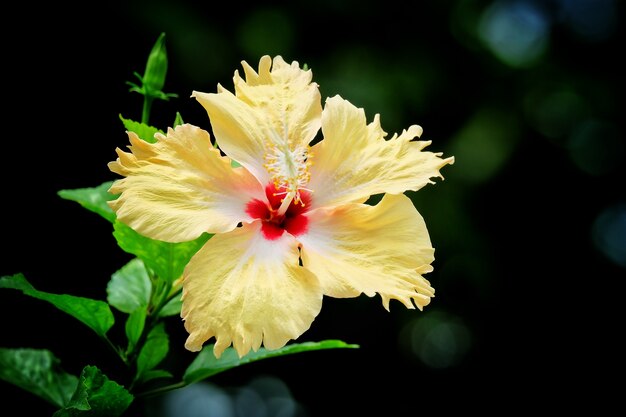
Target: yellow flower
point(290, 224)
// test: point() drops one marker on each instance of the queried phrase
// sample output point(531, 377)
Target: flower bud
point(156, 67)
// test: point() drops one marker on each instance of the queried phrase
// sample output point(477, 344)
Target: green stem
point(158, 299)
point(162, 389)
point(147, 106)
point(116, 349)
point(166, 299)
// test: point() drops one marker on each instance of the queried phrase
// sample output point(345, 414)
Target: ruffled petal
point(285, 95)
point(243, 289)
point(278, 106)
point(180, 187)
point(381, 249)
point(354, 161)
point(240, 131)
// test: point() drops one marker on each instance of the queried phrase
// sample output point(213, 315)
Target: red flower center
point(274, 225)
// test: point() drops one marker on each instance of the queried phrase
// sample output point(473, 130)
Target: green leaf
point(93, 313)
point(155, 374)
point(142, 130)
point(167, 260)
point(96, 396)
point(93, 199)
point(172, 308)
point(178, 120)
point(39, 372)
point(130, 287)
point(153, 351)
point(206, 365)
point(134, 327)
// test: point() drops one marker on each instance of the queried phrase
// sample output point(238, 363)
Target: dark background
point(529, 225)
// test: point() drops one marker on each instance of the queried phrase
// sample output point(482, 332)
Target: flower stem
point(147, 107)
point(162, 390)
point(116, 349)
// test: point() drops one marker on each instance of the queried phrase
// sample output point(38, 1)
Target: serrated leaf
point(142, 130)
point(206, 364)
point(130, 287)
point(93, 313)
point(93, 199)
point(39, 372)
point(96, 396)
point(172, 308)
point(167, 260)
point(153, 351)
point(134, 327)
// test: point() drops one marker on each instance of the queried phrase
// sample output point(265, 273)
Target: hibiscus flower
point(291, 223)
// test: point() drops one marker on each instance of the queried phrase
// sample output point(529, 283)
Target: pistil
point(288, 166)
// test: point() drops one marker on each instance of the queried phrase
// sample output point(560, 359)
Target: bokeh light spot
point(554, 113)
point(515, 32)
point(592, 20)
point(483, 145)
point(197, 400)
point(275, 395)
point(609, 233)
point(440, 340)
point(596, 147)
point(264, 396)
point(249, 403)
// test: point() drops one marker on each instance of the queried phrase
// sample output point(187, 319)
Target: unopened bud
point(156, 67)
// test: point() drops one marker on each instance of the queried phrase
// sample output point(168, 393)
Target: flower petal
point(382, 249)
point(243, 289)
point(285, 95)
point(239, 130)
point(354, 161)
point(180, 187)
point(279, 104)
